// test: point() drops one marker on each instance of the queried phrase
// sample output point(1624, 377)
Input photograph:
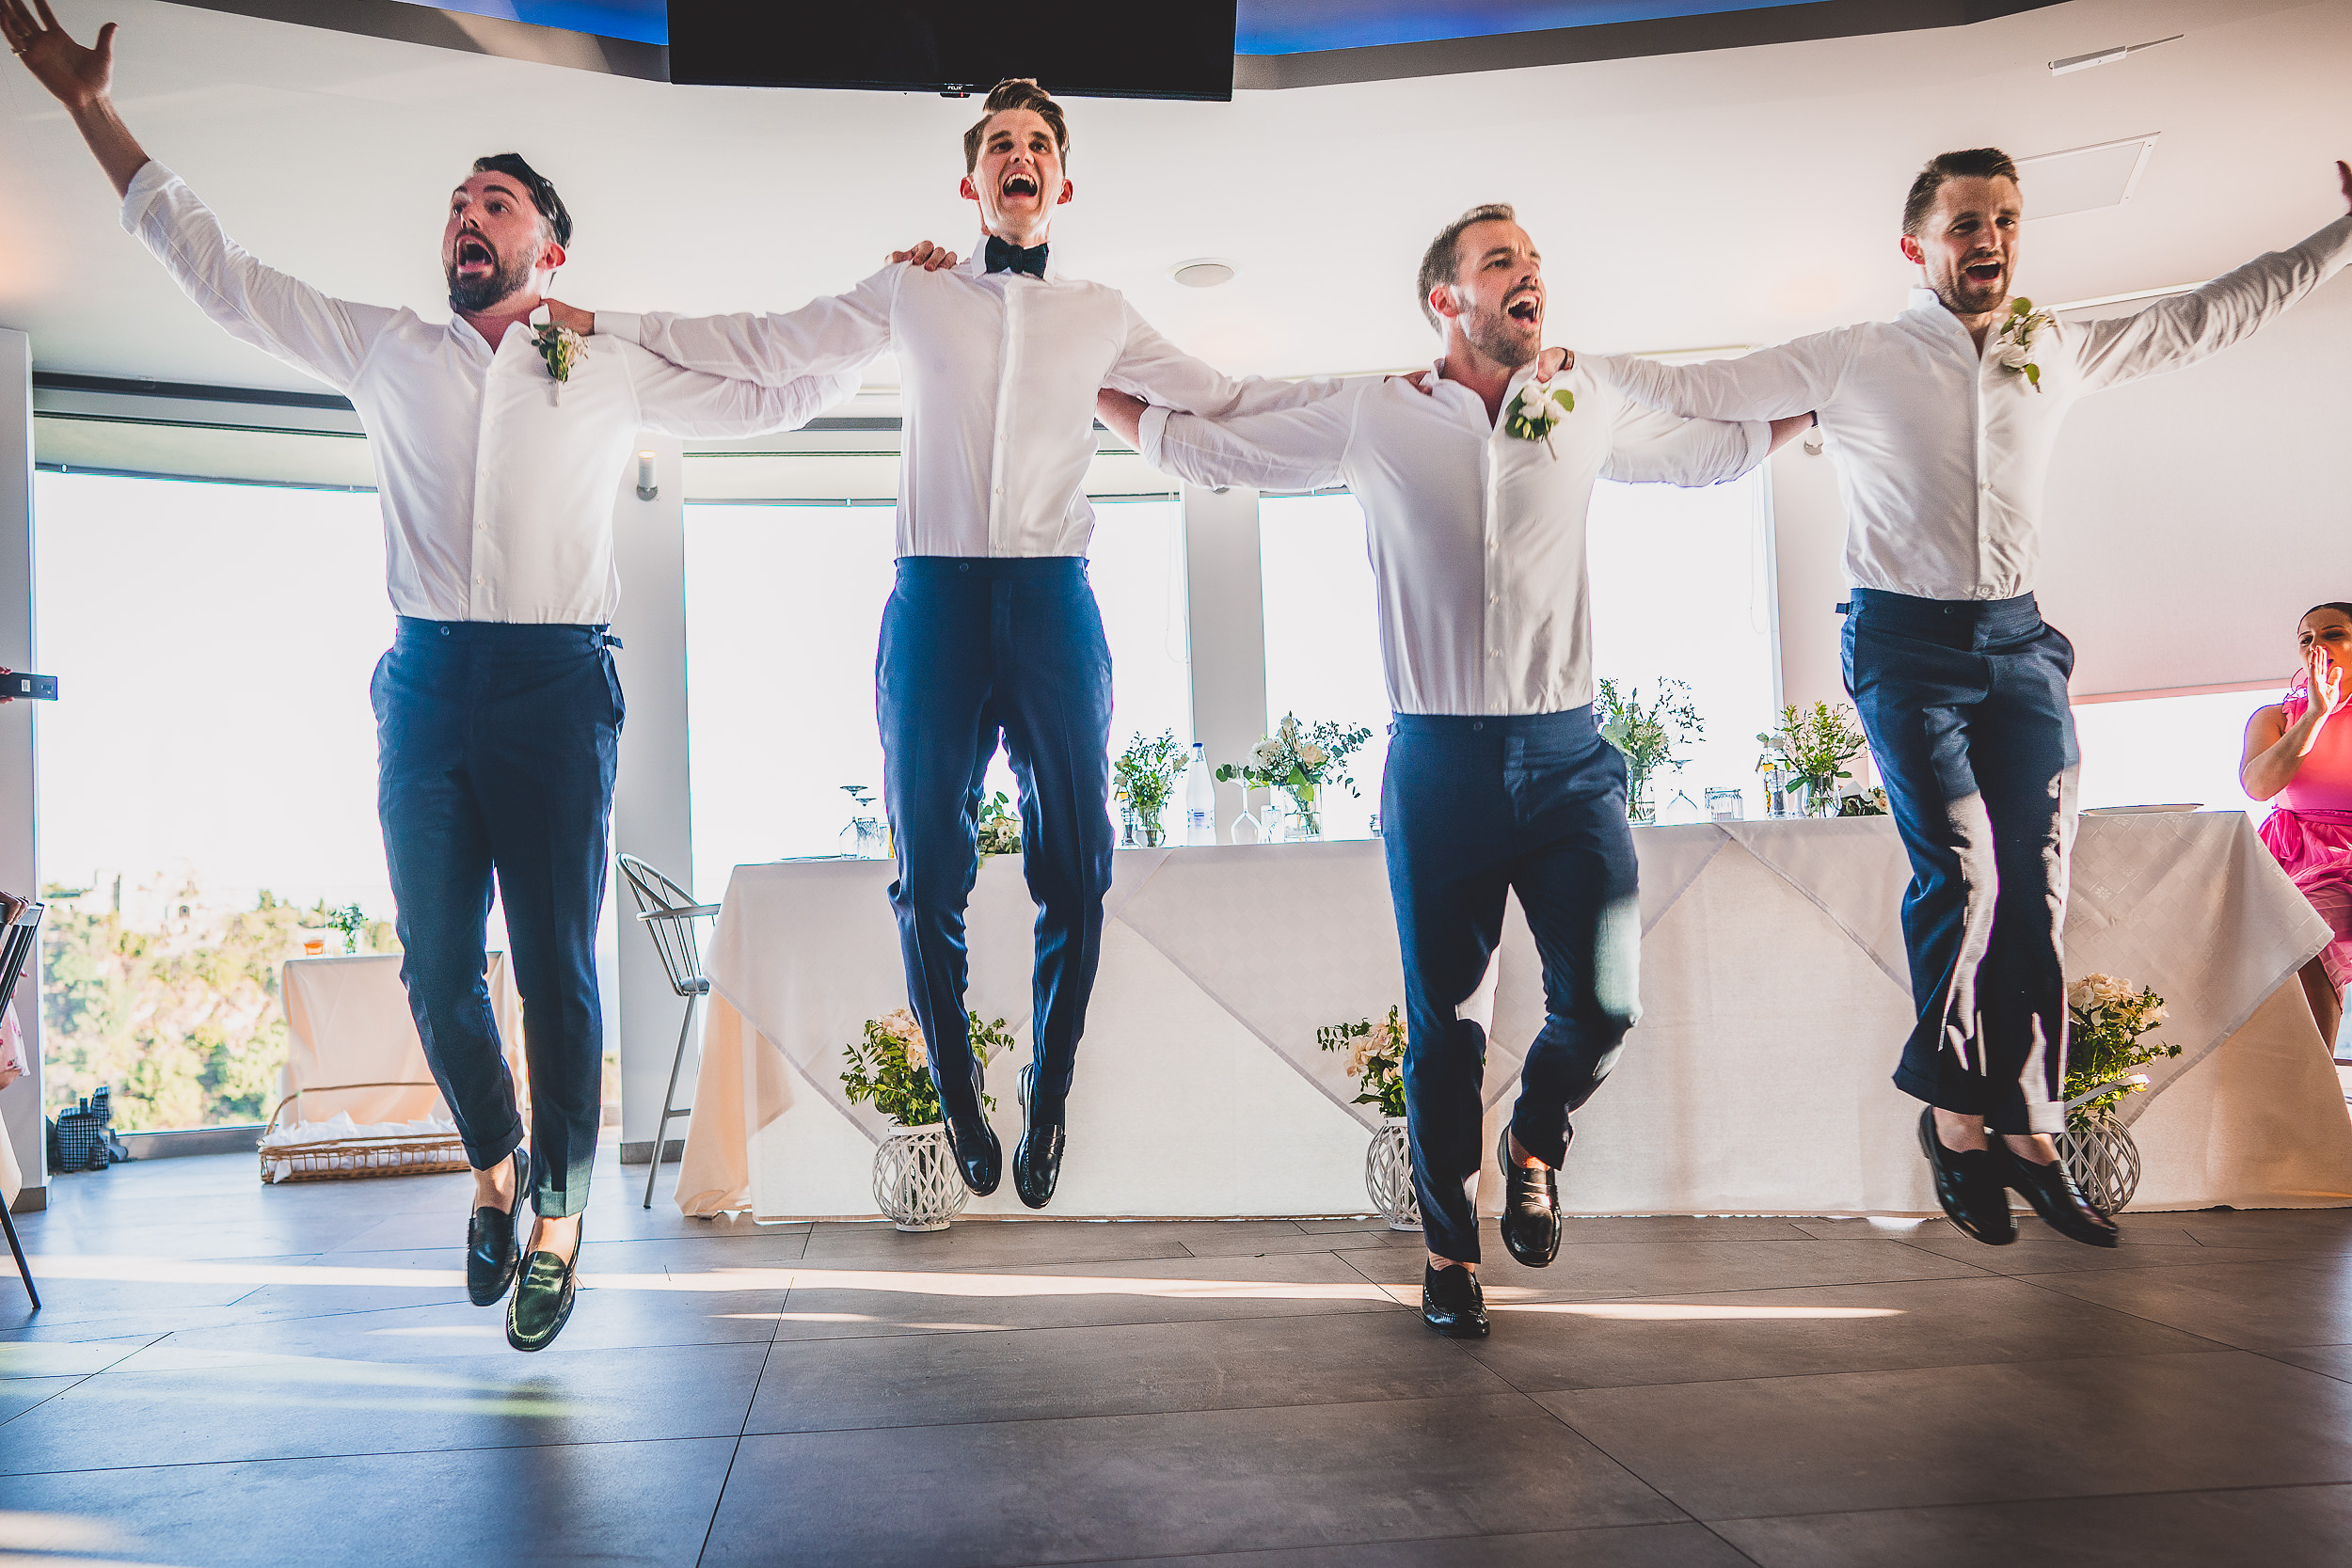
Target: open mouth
point(475, 255)
point(1526, 310)
point(1020, 186)
point(1983, 274)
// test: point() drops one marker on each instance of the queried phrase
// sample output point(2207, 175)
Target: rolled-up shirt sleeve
point(1649, 446)
point(2179, 331)
point(283, 316)
point(823, 338)
point(1303, 448)
point(1795, 378)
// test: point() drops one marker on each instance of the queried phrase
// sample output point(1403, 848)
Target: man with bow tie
point(992, 630)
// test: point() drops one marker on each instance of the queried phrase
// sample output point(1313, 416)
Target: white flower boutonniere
point(2014, 341)
point(1536, 410)
point(563, 349)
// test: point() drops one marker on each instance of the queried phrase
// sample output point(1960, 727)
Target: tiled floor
point(231, 1374)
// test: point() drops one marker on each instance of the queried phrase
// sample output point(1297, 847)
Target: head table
point(1774, 998)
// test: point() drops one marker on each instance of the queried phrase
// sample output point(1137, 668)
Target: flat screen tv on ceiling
point(1097, 50)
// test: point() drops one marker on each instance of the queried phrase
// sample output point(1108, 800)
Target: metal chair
point(17, 930)
point(669, 913)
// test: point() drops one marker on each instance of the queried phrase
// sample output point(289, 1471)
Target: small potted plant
point(1146, 773)
point(2108, 1017)
point(916, 1178)
point(1377, 1061)
point(1648, 735)
point(1301, 761)
point(1812, 747)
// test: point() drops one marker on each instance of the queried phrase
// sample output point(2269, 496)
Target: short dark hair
point(1016, 92)
point(542, 192)
point(1975, 162)
point(1438, 264)
point(2343, 609)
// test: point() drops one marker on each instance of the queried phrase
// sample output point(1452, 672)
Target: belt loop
point(1845, 608)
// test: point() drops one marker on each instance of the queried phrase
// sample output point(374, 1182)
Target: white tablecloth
point(348, 1021)
point(1774, 999)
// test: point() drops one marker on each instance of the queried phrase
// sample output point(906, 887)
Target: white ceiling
point(1737, 197)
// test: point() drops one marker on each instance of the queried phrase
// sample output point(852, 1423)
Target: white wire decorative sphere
point(1389, 1175)
point(2103, 1161)
point(916, 1178)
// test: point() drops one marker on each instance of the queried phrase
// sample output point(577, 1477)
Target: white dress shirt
point(1943, 452)
point(1000, 373)
point(496, 484)
point(1477, 535)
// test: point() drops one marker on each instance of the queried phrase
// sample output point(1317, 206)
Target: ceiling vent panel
point(2084, 179)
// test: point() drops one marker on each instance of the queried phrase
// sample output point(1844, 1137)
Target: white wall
point(20, 1103)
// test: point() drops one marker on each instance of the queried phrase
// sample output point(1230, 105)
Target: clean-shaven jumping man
point(1475, 481)
point(992, 630)
point(498, 708)
point(1941, 421)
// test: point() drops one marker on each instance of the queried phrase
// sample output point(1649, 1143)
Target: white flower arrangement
point(1538, 406)
point(2013, 341)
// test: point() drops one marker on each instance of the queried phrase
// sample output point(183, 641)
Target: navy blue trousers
point(495, 753)
point(1471, 808)
point(974, 649)
point(1965, 707)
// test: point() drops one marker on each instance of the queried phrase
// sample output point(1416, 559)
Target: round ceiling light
point(1202, 272)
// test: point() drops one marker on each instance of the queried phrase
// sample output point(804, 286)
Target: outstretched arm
point(1284, 449)
point(689, 402)
point(1649, 446)
point(81, 79)
point(2179, 331)
point(1771, 383)
point(1152, 368)
point(823, 338)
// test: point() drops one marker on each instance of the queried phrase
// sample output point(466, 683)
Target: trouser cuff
point(1549, 1145)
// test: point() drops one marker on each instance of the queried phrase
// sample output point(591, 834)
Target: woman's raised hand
point(2332, 684)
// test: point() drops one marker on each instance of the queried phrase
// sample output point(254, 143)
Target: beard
point(1963, 297)
point(503, 282)
point(1502, 340)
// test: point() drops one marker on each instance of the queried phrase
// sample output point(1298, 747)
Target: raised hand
point(78, 77)
point(1552, 361)
point(2332, 685)
point(926, 256)
point(579, 321)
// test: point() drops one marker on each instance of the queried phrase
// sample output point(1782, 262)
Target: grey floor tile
point(1956, 1434)
point(1541, 1346)
point(694, 1255)
point(1677, 1228)
point(2252, 1305)
point(1607, 1546)
point(1262, 1238)
point(602, 1319)
point(972, 1244)
point(619, 1503)
point(2278, 1527)
point(66, 1358)
point(1027, 1374)
point(1677, 1268)
point(19, 1394)
point(2038, 1250)
point(2312, 1229)
point(168, 1406)
point(851, 1303)
point(1069, 1491)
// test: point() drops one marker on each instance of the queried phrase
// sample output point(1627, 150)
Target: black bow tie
point(1015, 258)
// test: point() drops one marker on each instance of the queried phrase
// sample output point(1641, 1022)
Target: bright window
point(784, 617)
point(209, 774)
point(2149, 751)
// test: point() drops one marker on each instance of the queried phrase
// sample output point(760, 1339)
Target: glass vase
point(1302, 817)
point(1639, 807)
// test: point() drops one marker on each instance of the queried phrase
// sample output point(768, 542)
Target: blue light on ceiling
point(1301, 26)
point(1265, 26)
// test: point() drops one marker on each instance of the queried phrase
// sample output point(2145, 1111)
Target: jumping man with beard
point(497, 708)
point(992, 630)
point(1941, 421)
point(1498, 780)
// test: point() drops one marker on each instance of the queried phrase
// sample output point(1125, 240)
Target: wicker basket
point(358, 1159)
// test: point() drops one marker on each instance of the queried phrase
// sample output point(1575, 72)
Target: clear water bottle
point(1199, 799)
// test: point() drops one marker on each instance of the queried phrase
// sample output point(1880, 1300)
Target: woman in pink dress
point(2298, 756)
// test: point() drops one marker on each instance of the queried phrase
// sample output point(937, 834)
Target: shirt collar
point(1928, 308)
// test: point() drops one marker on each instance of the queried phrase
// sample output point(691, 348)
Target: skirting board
point(634, 1154)
point(32, 1200)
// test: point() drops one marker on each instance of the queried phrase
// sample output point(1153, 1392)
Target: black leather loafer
point(490, 1256)
point(543, 1301)
point(1452, 1302)
point(1531, 1208)
point(978, 1155)
point(1968, 1185)
point(2051, 1192)
point(1036, 1158)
